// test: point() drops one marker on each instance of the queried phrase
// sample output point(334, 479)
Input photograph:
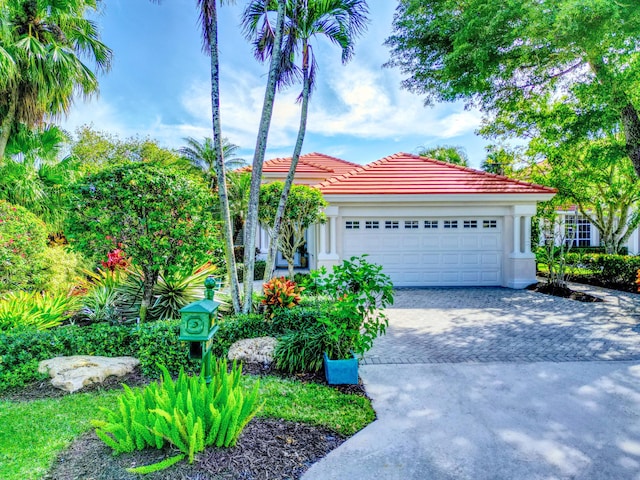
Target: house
point(428, 223)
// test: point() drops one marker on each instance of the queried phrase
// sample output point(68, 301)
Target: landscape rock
point(253, 350)
point(73, 373)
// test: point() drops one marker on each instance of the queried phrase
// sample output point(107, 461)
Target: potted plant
point(360, 292)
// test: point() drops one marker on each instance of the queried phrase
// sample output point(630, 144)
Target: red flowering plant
point(281, 293)
point(116, 260)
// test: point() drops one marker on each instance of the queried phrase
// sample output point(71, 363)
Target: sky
point(159, 87)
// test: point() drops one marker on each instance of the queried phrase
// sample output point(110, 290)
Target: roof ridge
point(332, 158)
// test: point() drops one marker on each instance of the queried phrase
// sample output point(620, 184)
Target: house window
point(431, 224)
point(489, 224)
point(470, 224)
point(393, 224)
point(372, 224)
point(450, 224)
point(577, 231)
point(353, 225)
point(411, 224)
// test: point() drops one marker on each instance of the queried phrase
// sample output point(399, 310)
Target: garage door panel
point(432, 256)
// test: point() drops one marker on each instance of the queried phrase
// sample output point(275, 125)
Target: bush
point(611, 271)
point(23, 240)
point(63, 269)
point(189, 414)
point(281, 293)
point(237, 327)
point(301, 351)
point(258, 272)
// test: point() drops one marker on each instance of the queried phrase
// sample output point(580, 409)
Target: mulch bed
point(565, 292)
point(266, 449)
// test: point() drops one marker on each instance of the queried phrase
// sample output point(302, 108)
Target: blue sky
point(160, 79)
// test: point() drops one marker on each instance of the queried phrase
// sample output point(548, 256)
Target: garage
point(429, 251)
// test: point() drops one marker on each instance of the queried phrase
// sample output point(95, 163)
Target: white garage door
point(429, 251)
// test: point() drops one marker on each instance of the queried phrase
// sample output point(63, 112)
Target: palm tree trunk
point(7, 121)
point(149, 281)
point(302, 129)
point(251, 223)
point(232, 273)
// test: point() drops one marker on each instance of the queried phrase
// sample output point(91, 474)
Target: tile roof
point(404, 173)
point(317, 163)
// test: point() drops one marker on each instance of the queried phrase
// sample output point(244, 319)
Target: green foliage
point(63, 269)
point(446, 153)
point(159, 216)
point(35, 310)
point(612, 271)
point(23, 240)
point(188, 413)
point(237, 327)
point(305, 207)
point(361, 292)
point(301, 350)
point(20, 351)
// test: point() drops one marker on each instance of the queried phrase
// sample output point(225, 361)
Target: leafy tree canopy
point(446, 153)
point(159, 217)
point(572, 66)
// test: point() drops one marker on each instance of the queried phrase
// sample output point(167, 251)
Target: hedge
point(152, 343)
point(606, 270)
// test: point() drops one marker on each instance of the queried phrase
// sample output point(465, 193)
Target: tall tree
point(499, 160)
point(251, 223)
point(202, 155)
point(510, 56)
point(42, 45)
point(341, 22)
point(446, 153)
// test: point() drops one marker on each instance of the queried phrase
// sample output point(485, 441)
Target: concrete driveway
point(499, 384)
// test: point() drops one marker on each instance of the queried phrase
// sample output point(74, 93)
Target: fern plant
point(35, 310)
point(187, 413)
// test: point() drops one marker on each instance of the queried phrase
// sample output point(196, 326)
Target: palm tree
point(446, 153)
point(202, 155)
point(34, 176)
point(340, 21)
point(42, 44)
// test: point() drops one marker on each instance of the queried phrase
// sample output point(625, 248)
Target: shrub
point(237, 327)
point(189, 414)
point(613, 271)
point(64, 268)
point(157, 343)
point(23, 240)
point(281, 293)
point(35, 310)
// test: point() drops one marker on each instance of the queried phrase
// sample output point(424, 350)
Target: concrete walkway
point(482, 384)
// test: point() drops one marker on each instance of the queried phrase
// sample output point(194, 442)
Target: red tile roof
point(318, 163)
point(404, 173)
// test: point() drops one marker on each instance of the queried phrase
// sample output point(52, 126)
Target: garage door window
point(450, 224)
point(489, 224)
point(353, 225)
point(431, 224)
point(372, 225)
point(391, 224)
point(470, 224)
point(411, 224)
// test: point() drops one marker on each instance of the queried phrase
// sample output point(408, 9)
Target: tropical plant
point(202, 155)
point(188, 414)
point(33, 310)
point(23, 240)
point(446, 153)
point(301, 350)
point(42, 44)
point(361, 292)
point(281, 293)
point(305, 207)
point(340, 21)
point(151, 210)
point(170, 293)
point(238, 186)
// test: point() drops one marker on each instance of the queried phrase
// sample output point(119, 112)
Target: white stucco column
point(333, 234)
point(323, 239)
point(527, 235)
point(329, 253)
point(516, 236)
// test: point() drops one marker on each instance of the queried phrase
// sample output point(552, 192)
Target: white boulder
point(253, 350)
point(73, 373)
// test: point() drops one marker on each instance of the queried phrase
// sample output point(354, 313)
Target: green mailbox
point(198, 326)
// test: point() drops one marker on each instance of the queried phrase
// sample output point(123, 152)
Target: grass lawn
point(33, 433)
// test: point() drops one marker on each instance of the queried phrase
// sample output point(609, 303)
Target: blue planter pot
point(340, 372)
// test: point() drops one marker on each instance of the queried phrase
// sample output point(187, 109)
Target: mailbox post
point(198, 326)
